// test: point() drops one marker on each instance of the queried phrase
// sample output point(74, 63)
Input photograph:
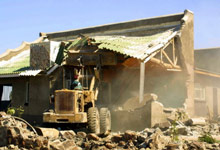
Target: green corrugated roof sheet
point(137, 47)
point(15, 66)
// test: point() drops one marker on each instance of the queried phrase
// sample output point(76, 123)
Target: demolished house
point(207, 82)
point(147, 62)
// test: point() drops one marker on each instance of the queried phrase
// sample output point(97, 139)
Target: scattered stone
point(81, 134)
point(68, 144)
point(183, 130)
point(11, 146)
point(130, 135)
point(172, 146)
point(196, 145)
point(3, 135)
point(196, 121)
point(121, 143)
point(14, 134)
point(69, 134)
point(141, 138)
point(116, 138)
point(110, 145)
point(93, 136)
point(56, 145)
point(48, 132)
point(163, 126)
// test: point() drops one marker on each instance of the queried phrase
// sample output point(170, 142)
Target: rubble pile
point(16, 134)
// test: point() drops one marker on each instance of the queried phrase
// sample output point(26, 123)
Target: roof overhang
point(30, 73)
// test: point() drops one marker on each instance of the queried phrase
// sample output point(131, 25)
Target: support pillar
point(142, 74)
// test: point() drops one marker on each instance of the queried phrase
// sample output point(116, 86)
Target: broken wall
point(43, 55)
point(185, 45)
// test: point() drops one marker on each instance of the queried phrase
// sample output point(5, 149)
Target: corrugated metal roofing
point(16, 64)
point(136, 47)
point(30, 73)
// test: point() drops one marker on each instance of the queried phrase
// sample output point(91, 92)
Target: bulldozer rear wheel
point(93, 120)
point(105, 120)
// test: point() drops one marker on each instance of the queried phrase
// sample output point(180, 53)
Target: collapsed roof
point(138, 39)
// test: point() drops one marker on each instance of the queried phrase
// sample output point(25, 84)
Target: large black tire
point(93, 120)
point(105, 120)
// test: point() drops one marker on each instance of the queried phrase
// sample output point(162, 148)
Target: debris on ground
point(16, 134)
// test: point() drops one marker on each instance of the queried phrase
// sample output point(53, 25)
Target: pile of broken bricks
point(16, 134)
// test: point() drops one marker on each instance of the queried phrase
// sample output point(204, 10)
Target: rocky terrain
point(15, 133)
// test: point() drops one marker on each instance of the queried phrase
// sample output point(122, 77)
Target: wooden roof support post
point(142, 74)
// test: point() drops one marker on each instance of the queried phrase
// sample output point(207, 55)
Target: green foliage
point(174, 132)
point(11, 111)
point(179, 115)
point(18, 111)
point(207, 138)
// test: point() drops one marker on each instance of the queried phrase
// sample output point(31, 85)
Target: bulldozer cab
point(81, 91)
point(74, 101)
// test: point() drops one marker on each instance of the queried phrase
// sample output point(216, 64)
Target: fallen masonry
point(17, 134)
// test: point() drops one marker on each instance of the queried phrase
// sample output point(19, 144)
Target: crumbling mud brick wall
point(185, 45)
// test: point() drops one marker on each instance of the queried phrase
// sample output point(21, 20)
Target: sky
point(23, 20)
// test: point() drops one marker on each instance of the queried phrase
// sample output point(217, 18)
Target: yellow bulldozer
point(78, 106)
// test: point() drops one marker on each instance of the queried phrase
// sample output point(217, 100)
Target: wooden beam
point(167, 57)
point(167, 66)
point(142, 74)
point(175, 62)
point(151, 56)
point(207, 73)
point(174, 55)
point(156, 52)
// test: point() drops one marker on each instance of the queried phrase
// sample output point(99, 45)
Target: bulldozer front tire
point(105, 120)
point(93, 120)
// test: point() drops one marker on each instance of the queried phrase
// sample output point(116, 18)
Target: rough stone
point(141, 138)
point(172, 146)
point(3, 135)
point(163, 126)
point(69, 144)
point(195, 121)
point(121, 143)
point(183, 130)
point(116, 138)
point(81, 134)
point(69, 134)
point(196, 145)
point(48, 132)
point(110, 145)
point(2, 114)
point(56, 145)
point(93, 136)
point(130, 135)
